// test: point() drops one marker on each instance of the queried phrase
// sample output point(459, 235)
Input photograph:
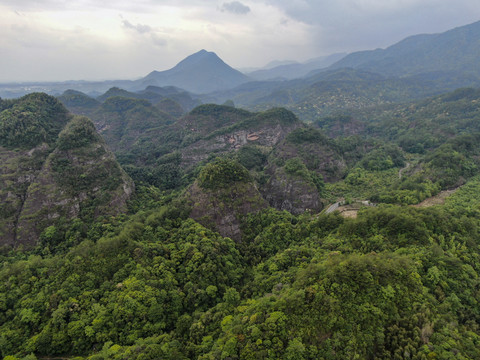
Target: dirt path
point(438, 199)
point(401, 171)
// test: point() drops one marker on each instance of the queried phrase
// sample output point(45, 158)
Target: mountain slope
point(122, 120)
point(223, 194)
point(330, 92)
point(456, 51)
point(202, 72)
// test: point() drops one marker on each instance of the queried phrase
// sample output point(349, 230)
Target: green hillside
point(393, 281)
point(334, 216)
point(332, 91)
point(228, 247)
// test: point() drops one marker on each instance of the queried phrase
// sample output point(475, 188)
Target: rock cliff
point(49, 181)
point(223, 193)
point(265, 129)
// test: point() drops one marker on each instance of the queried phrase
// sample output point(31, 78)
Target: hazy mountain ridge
point(295, 70)
point(329, 92)
point(426, 65)
point(456, 50)
point(415, 68)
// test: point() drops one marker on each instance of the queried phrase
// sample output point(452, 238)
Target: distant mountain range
point(200, 73)
point(418, 66)
point(454, 51)
point(291, 71)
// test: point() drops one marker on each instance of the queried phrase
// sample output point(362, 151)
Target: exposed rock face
point(81, 182)
point(298, 167)
point(290, 140)
point(222, 210)
point(73, 175)
point(263, 129)
point(292, 193)
point(18, 169)
point(229, 195)
point(202, 149)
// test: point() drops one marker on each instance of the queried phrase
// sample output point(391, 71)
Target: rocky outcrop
point(292, 193)
point(223, 210)
point(263, 129)
point(18, 169)
point(222, 196)
point(74, 177)
point(298, 167)
point(84, 183)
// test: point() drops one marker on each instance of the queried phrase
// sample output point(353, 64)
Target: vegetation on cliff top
point(222, 173)
point(31, 120)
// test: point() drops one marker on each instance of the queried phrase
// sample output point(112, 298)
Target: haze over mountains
point(454, 51)
point(291, 71)
point(439, 61)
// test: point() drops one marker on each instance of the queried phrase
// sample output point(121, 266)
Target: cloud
point(351, 25)
point(158, 41)
point(140, 28)
point(145, 33)
point(83, 38)
point(341, 13)
point(235, 7)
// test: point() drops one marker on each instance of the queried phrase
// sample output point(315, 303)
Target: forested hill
point(224, 250)
point(394, 281)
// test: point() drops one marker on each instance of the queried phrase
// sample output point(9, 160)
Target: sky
point(57, 40)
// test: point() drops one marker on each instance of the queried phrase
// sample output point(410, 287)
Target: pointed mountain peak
point(200, 57)
point(201, 72)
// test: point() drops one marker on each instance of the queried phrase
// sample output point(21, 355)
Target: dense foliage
point(78, 102)
point(391, 282)
point(78, 132)
point(395, 281)
point(221, 173)
point(31, 120)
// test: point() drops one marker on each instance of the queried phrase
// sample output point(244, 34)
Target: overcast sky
point(126, 39)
